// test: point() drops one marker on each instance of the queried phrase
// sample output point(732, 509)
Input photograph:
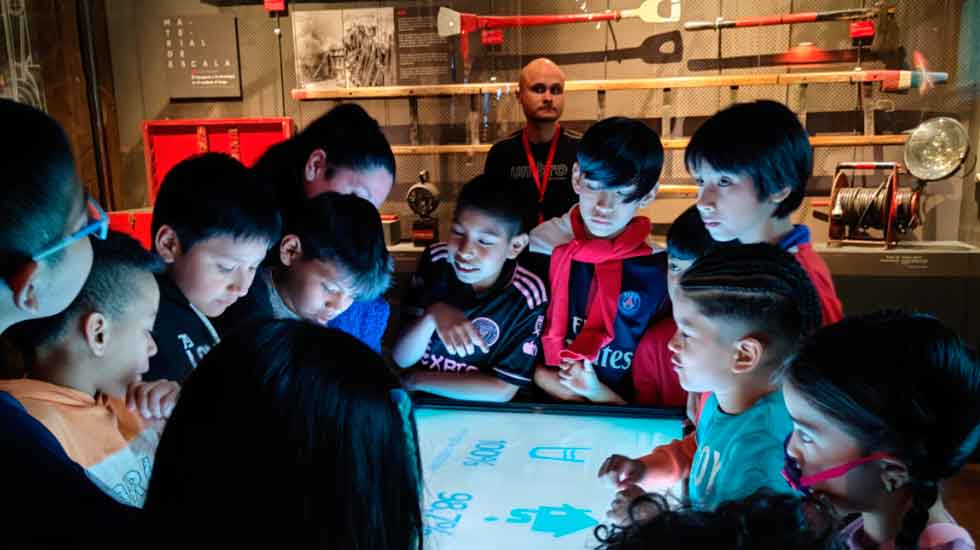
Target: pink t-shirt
point(937, 536)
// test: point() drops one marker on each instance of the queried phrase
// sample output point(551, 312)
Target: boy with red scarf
point(608, 283)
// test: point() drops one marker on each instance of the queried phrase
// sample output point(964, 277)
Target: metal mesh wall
point(631, 49)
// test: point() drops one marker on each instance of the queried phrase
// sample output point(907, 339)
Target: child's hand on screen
point(621, 472)
point(623, 512)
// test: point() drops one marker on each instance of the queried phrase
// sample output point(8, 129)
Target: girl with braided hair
point(885, 406)
point(741, 311)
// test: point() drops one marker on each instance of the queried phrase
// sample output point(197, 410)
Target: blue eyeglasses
point(97, 226)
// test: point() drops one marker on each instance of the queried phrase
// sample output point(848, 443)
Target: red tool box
point(135, 223)
point(167, 142)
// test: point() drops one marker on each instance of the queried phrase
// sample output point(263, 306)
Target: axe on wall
point(453, 23)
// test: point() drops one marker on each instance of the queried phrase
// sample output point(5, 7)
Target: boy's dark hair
point(39, 184)
point(514, 205)
point(759, 285)
point(109, 288)
point(214, 195)
point(762, 521)
point(346, 229)
point(901, 383)
point(688, 238)
point(762, 140)
point(338, 455)
point(620, 152)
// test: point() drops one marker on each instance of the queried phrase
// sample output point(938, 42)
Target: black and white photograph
point(369, 46)
point(344, 48)
point(319, 46)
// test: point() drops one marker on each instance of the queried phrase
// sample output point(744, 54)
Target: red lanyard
point(533, 164)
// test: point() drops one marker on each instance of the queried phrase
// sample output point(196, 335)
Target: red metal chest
point(167, 142)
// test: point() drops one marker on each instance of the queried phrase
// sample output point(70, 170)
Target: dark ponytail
point(901, 383)
point(924, 495)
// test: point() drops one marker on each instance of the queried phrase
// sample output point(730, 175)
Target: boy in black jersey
point(478, 315)
point(607, 283)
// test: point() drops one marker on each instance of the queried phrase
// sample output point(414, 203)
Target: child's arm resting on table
point(501, 373)
point(448, 323)
point(471, 386)
point(581, 378)
point(547, 379)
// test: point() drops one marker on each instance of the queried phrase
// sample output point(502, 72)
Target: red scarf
point(608, 256)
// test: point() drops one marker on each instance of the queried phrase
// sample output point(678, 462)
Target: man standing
point(542, 153)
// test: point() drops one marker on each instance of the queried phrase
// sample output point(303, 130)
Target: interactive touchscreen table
point(513, 476)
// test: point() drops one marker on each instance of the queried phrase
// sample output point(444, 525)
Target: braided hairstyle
point(761, 286)
point(901, 383)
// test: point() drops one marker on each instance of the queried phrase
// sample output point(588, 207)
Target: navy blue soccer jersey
point(643, 299)
point(509, 317)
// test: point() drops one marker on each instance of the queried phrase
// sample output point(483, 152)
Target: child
point(296, 426)
point(653, 374)
point(764, 521)
point(344, 151)
point(590, 337)
point(84, 360)
point(45, 256)
point(687, 240)
point(333, 254)
point(478, 314)
point(47, 218)
point(212, 225)
point(750, 185)
point(740, 312)
point(885, 406)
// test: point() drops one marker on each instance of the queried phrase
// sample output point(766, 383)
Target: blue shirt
point(365, 321)
point(739, 454)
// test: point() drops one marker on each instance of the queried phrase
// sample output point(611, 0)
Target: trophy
point(423, 199)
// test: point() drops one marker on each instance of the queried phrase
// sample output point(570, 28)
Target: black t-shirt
point(253, 307)
point(183, 336)
point(508, 161)
point(509, 317)
point(642, 301)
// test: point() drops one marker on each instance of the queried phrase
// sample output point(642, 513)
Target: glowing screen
point(513, 480)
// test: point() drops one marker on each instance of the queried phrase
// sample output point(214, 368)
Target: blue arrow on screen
point(562, 521)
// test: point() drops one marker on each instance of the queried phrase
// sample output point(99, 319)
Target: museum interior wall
point(124, 43)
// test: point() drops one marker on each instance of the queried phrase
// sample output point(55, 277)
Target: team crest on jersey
point(629, 302)
point(488, 330)
point(530, 348)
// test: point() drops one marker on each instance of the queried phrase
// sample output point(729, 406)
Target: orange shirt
point(114, 445)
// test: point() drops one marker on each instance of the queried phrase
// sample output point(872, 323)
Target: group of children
point(120, 345)
point(868, 414)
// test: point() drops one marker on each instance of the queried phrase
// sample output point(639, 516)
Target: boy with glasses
point(45, 256)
